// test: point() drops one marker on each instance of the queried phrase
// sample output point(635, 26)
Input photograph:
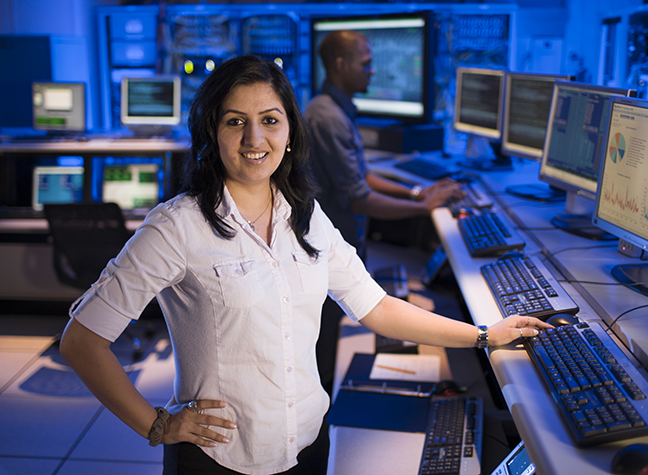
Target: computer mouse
point(511, 255)
point(446, 387)
point(631, 460)
point(562, 319)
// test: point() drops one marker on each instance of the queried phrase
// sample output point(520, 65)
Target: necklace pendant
point(252, 226)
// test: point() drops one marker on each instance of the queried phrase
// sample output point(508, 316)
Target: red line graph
point(617, 199)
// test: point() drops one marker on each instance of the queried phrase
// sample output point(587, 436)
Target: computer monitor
point(56, 185)
point(573, 149)
point(399, 89)
point(621, 206)
point(478, 111)
point(134, 187)
point(150, 105)
point(527, 99)
point(59, 107)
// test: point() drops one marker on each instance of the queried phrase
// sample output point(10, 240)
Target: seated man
point(349, 193)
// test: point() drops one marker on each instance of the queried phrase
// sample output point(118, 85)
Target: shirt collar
point(281, 210)
point(340, 98)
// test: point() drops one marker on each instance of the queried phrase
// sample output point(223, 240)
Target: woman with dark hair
point(241, 263)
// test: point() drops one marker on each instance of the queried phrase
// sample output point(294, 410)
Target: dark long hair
point(203, 170)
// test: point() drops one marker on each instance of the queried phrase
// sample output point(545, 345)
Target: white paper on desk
point(413, 367)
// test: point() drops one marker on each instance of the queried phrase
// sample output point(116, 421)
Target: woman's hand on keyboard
point(514, 327)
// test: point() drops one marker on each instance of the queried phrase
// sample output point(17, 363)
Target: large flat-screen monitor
point(573, 150)
point(399, 88)
point(150, 103)
point(527, 99)
point(621, 206)
point(56, 185)
point(59, 107)
point(478, 111)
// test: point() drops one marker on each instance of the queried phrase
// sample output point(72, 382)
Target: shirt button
point(286, 300)
point(289, 369)
point(287, 336)
point(291, 440)
point(290, 405)
point(275, 264)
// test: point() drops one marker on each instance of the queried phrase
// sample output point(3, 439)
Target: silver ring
point(521, 333)
point(192, 406)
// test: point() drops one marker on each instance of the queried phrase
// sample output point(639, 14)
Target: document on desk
point(406, 367)
point(386, 404)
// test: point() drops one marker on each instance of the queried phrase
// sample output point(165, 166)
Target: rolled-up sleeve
point(350, 284)
point(149, 262)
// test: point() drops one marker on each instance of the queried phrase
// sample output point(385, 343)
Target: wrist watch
point(482, 338)
point(415, 191)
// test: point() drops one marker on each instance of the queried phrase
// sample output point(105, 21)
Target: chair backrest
point(85, 237)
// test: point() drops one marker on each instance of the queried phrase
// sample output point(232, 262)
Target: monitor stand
point(537, 192)
point(634, 276)
point(577, 219)
point(149, 131)
point(500, 163)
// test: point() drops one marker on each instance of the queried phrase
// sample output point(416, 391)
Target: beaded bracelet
point(157, 429)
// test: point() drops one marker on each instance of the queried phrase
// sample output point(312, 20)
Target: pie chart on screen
point(617, 147)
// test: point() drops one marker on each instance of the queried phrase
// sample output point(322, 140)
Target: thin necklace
point(251, 223)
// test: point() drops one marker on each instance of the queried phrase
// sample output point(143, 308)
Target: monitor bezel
point(464, 127)
point(135, 120)
point(512, 148)
point(597, 220)
point(80, 108)
point(424, 15)
point(547, 173)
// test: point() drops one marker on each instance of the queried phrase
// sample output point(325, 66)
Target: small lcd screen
point(57, 185)
point(520, 463)
point(59, 106)
point(478, 102)
point(132, 186)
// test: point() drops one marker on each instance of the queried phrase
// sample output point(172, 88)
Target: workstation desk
point(24, 248)
point(574, 261)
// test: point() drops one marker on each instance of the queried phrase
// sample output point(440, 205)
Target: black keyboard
point(453, 440)
point(597, 390)
point(486, 235)
point(523, 285)
point(424, 169)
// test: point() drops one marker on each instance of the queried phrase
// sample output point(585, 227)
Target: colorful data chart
point(617, 147)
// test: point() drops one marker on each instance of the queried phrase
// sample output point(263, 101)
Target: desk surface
point(570, 258)
point(548, 443)
point(95, 145)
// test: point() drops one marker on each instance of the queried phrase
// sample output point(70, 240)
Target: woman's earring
point(288, 149)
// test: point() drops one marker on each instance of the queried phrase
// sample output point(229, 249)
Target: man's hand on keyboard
point(439, 193)
point(514, 327)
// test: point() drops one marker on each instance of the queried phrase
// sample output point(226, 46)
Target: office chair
point(85, 237)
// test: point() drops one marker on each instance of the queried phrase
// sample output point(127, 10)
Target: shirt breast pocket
point(313, 273)
point(238, 283)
